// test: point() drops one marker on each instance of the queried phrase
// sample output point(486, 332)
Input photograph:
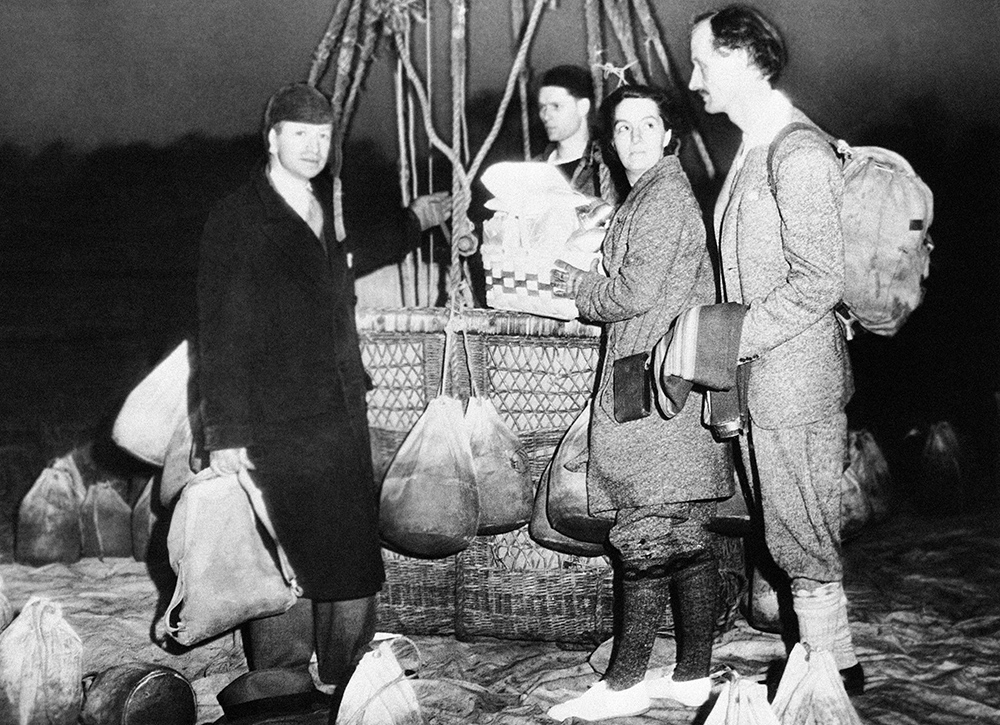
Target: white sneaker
point(691, 693)
point(600, 703)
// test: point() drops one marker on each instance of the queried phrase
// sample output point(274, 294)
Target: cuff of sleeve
point(219, 437)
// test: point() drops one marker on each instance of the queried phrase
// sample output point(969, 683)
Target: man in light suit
point(782, 254)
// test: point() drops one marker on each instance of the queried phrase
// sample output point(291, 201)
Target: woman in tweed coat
point(658, 479)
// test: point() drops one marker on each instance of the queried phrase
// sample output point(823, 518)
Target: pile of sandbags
point(65, 517)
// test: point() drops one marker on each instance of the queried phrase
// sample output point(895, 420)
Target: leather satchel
point(633, 387)
point(230, 567)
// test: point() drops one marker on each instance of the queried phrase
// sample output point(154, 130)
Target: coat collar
point(659, 170)
point(288, 231)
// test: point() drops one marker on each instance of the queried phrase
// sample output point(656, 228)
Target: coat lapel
point(289, 233)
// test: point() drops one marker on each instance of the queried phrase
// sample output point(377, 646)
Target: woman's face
point(638, 135)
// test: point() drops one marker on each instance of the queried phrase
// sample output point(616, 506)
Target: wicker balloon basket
point(539, 374)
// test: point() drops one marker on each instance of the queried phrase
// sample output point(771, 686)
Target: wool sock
point(644, 600)
point(697, 589)
point(823, 623)
point(817, 611)
point(843, 645)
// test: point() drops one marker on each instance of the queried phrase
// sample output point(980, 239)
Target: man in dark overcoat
point(282, 392)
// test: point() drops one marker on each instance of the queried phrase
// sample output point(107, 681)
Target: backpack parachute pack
point(886, 215)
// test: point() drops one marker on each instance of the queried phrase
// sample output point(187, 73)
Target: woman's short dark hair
point(742, 27)
point(664, 105)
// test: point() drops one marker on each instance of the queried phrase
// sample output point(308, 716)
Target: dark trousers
point(338, 631)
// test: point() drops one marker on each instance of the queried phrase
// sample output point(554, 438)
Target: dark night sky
point(116, 70)
point(918, 76)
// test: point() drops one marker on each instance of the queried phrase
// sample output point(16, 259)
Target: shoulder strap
point(782, 134)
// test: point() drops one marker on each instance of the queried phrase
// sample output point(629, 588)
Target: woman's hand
point(566, 279)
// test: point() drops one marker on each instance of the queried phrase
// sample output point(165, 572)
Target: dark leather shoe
point(273, 697)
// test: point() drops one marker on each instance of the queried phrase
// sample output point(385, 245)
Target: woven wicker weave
point(418, 596)
point(539, 374)
point(509, 587)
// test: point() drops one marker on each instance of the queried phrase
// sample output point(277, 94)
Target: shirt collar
point(296, 192)
point(775, 115)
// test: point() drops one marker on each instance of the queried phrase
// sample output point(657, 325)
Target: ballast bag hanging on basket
point(541, 531)
point(429, 505)
point(500, 464)
point(567, 505)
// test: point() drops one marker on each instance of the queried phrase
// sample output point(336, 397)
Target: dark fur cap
point(298, 102)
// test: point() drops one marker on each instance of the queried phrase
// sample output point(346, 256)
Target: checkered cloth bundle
point(521, 280)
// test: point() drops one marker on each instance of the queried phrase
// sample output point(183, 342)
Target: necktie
point(314, 217)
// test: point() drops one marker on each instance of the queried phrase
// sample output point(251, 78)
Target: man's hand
point(432, 210)
point(227, 461)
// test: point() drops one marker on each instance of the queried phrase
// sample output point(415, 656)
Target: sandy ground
point(924, 610)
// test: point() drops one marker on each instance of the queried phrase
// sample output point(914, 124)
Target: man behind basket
point(283, 393)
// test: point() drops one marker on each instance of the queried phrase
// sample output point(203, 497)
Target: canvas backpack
point(886, 213)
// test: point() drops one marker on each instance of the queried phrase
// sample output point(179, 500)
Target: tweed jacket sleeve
point(809, 190)
point(654, 235)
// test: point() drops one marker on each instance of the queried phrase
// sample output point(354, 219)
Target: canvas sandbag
point(48, 521)
point(742, 701)
point(40, 667)
point(182, 461)
point(540, 528)
point(229, 566)
point(6, 608)
point(865, 485)
point(379, 692)
point(500, 465)
point(144, 519)
point(568, 509)
point(945, 471)
point(105, 522)
point(155, 407)
point(811, 691)
point(429, 503)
